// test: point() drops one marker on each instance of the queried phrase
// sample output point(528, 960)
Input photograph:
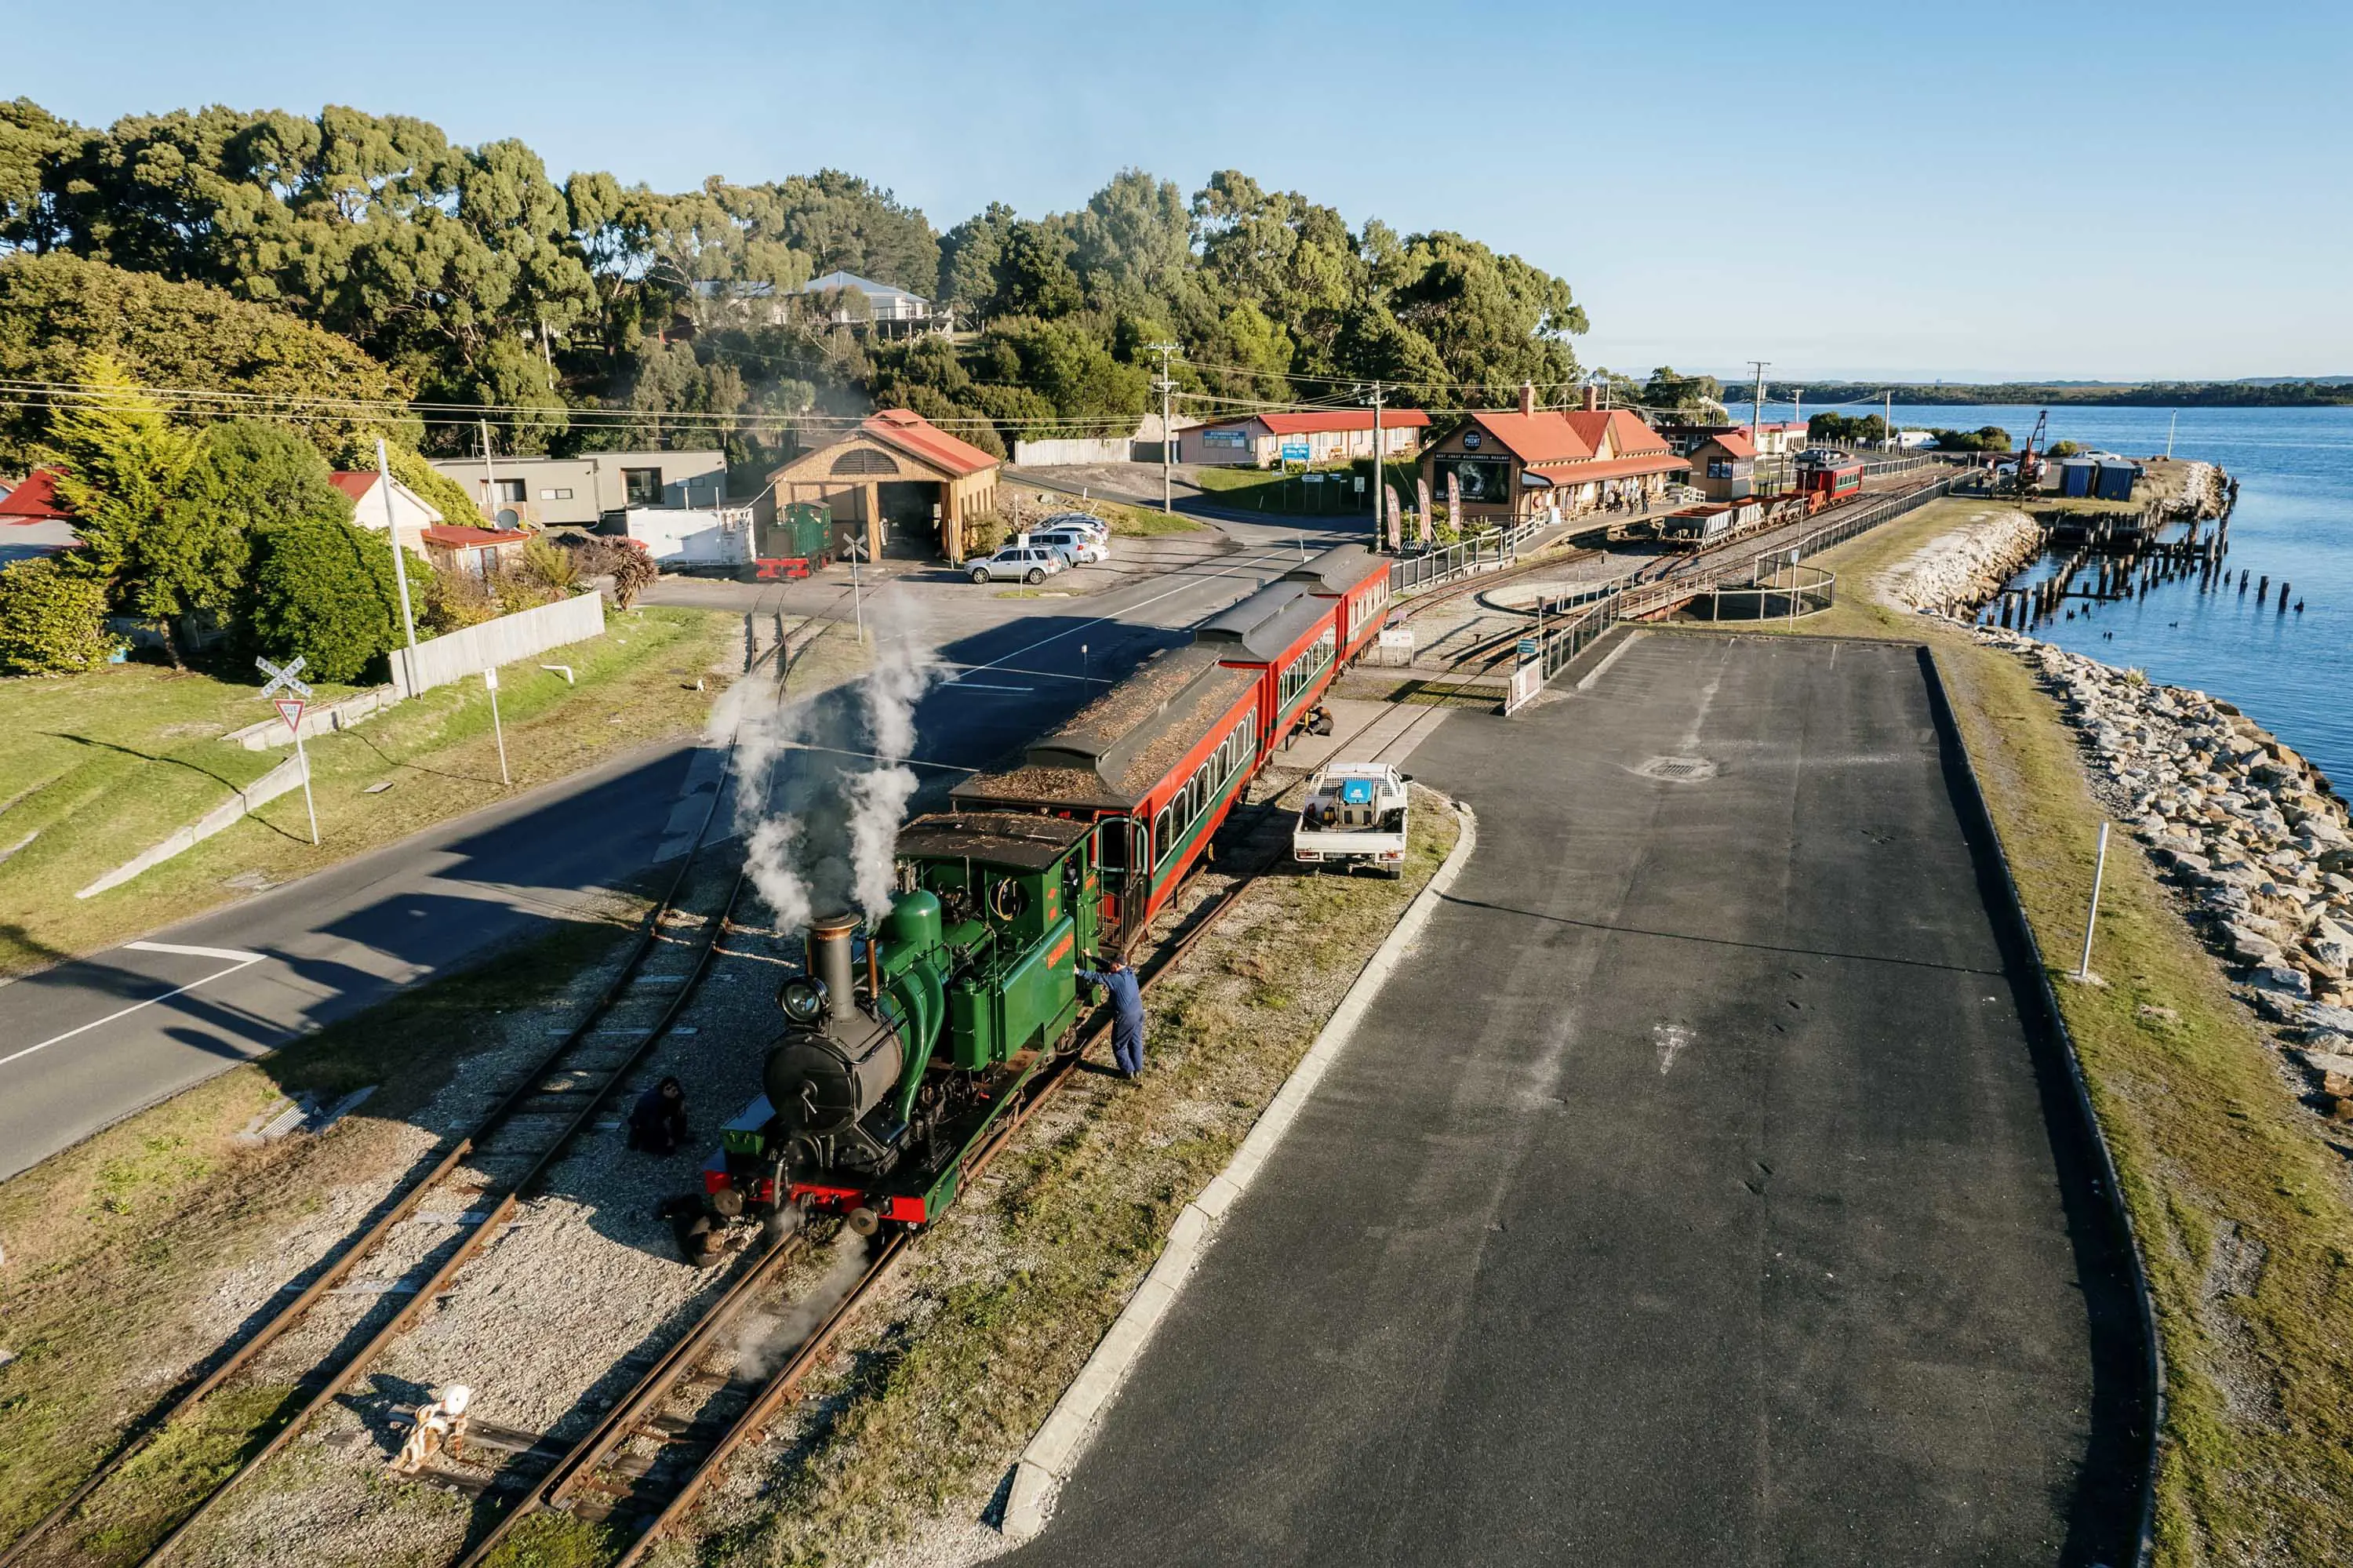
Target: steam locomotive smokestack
point(830, 961)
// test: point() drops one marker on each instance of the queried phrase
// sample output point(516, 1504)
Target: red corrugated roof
point(910, 431)
point(354, 483)
point(34, 500)
point(1540, 438)
point(1321, 422)
point(452, 537)
point(1732, 442)
point(1610, 468)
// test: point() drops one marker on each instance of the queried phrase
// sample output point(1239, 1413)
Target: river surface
point(2292, 673)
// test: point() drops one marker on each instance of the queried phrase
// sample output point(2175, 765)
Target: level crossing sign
point(283, 677)
point(286, 677)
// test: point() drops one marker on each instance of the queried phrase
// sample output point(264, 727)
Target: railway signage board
point(290, 710)
point(1294, 452)
point(286, 677)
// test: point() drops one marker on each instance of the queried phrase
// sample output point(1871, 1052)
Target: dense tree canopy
point(189, 337)
point(474, 279)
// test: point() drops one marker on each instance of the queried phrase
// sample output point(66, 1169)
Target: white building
point(411, 513)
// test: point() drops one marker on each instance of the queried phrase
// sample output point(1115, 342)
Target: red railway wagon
point(1359, 581)
point(1828, 478)
point(1290, 639)
point(1155, 763)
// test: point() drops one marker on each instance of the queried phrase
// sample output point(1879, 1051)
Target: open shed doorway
point(910, 531)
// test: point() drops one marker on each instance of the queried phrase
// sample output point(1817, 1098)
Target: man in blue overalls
point(1127, 1012)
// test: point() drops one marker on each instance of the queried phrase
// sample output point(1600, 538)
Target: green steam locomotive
point(904, 1046)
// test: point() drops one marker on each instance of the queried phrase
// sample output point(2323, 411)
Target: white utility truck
point(1354, 815)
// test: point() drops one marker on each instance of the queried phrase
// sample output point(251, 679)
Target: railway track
point(480, 1180)
point(643, 1466)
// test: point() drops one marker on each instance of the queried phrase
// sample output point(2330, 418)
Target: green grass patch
point(123, 1522)
point(552, 1539)
point(1334, 493)
point(1011, 1292)
point(117, 1247)
point(101, 767)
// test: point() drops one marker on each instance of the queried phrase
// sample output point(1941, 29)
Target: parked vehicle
point(1086, 521)
point(1028, 563)
point(1079, 546)
point(1354, 815)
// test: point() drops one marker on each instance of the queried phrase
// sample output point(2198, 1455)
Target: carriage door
point(1123, 858)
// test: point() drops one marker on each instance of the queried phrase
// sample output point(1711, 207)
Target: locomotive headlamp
point(803, 999)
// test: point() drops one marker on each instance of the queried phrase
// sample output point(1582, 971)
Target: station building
point(1514, 467)
point(1723, 466)
point(898, 481)
point(1325, 435)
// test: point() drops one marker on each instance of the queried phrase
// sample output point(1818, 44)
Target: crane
point(2030, 467)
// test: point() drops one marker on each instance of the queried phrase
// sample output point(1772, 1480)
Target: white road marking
point(1671, 1038)
point(985, 686)
point(243, 960)
point(232, 954)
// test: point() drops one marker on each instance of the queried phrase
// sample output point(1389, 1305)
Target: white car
point(1026, 563)
point(1085, 521)
point(1082, 548)
point(1354, 815)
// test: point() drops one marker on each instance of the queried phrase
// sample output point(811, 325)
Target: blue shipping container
point(2116, 481)
point(2076, 476)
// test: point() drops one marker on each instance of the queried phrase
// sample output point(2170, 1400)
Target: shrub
point(457, 601)
point(52, 620)
point(323, 589)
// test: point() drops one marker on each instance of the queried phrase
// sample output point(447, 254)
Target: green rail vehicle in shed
point(904, 1047)
point(794, 543)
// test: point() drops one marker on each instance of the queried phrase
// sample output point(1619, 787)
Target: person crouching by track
point(658, 1125)
point(438, 1424)
point(1127, 1012)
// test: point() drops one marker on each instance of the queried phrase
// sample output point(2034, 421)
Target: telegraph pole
point(489, 480)
point(1380, 469)
point(1887, 419)
point(399, 570)
point(1167, 436)
point(1756, 429)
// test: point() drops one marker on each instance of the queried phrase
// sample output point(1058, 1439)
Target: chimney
point(1592, 398)
point(830, 962)
point(1527, 396)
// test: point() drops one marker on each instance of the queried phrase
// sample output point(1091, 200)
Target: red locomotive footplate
point(839, 1200)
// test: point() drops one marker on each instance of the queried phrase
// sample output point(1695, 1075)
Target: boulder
point(2281, 981)
point(2329, 960)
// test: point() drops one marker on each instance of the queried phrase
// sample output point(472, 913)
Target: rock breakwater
point(2252, 839)
point(1961, 569)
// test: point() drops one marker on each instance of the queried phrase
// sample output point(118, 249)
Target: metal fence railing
point(1412, 573)
point(1559, 643)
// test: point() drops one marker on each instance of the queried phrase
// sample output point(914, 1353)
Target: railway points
point(1742, 1220)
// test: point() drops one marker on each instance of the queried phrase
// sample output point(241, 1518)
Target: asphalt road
point(90, 1041)
point(1700, 1193)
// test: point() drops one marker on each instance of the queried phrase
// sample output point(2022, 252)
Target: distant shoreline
point(2147, 395)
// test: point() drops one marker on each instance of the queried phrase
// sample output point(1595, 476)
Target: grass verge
point(127, 1252)
point(101, 767)
point(2239, 1194)
point(939, 1387)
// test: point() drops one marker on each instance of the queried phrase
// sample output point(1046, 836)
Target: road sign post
point(283, 679)
point(490, 684)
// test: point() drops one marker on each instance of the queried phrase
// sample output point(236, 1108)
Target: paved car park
point(1700, 1192)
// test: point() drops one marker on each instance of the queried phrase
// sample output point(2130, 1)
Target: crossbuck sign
point(286, 679)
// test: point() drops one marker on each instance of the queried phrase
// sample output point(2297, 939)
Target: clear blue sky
point(2105, 191)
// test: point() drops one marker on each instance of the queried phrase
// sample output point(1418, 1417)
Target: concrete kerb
point(1056, 1448)
point(2112, 1191)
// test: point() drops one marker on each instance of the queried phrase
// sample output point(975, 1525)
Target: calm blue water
point(2292, 673)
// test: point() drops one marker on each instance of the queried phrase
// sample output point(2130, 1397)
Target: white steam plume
point(821, 830)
